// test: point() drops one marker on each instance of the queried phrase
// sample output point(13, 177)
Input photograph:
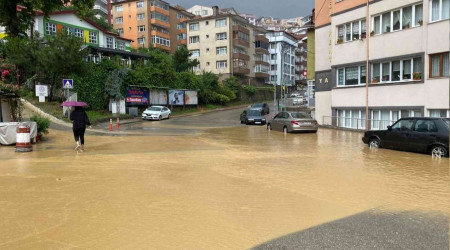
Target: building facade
point(200, 10)
point(408, 72)
point(150, 23)
point(282, 58)
point(101, 8)
point(226, 44)
point(301, 62)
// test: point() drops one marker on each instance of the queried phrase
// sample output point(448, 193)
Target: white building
point(200, 10)
point(282, 58)
point(101, 8)
point(408, 70)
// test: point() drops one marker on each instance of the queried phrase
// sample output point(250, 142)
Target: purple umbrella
point(74, 104)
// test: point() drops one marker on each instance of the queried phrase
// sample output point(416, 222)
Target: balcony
point(182, 31)
point(184, 41)
point(241, 29)
point(257, 62)
point(161, 46)
point(160, 34)
point(160, 23)
point(262, 38)
point(241, 71)
point(182, 20)
point(241, 43)
point(261, 51)
point(241, 56)
point(162, 11)
point(261, 75)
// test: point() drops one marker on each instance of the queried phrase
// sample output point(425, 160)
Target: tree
point(114, 86)
point(182, 61)
point(17, 22)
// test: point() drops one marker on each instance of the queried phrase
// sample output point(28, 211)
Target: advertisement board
point(190, 97)
point(176, 97)
point(158, 97)
point(137, 96)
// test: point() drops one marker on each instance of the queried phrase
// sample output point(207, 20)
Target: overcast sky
point(273, 8)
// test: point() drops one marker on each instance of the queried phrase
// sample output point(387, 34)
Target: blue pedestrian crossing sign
point(67, 83)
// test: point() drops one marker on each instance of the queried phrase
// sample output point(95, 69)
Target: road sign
point(67, 83)
point(41, 90)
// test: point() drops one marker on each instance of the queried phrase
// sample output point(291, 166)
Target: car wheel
point(168, 117)
point(439, 151)
point(246, 122)
point(242, 122)
point(285, 130)
point(374, 143)
point(269, 127)
point(159, 118)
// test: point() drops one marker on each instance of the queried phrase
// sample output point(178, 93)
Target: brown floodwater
point(230, 188)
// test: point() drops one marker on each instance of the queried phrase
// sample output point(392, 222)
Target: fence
point(355, 123)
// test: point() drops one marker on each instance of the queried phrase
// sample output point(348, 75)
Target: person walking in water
point(80, 120)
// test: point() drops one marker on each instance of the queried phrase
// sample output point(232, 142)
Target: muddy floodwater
point(219, 188)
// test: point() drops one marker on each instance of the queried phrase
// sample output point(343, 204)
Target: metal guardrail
point(355, 123)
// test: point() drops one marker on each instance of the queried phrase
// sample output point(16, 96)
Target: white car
point(298, 100)
point(156, 113)
point(295, 95)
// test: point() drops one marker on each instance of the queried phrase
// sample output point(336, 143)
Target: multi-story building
point(150, 23)
point(250, 18)
point(301, 62)
point(226, 44)
point(311, 59)
point(408, 61)
point(101, 8)
point(200, 10)
point(282, 58)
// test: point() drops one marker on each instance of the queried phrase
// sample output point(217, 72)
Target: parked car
point(261, 106)
point(252, 116)
point(156, 113)
point(418, 134)
point(293, 122)
point(298, 101)
point(293, 95)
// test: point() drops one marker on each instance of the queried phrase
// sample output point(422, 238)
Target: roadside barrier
point(118, 123)
point(23, 140)
point(110, 125)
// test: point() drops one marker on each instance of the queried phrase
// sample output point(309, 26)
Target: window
point(194, 26)
point(439, 10)
point(161, 41)
point(273, 67)
point(159, 16)
point(351, 76)
point(139, 4)
point(195, 53)
point(141, 40)
point(194, 39)
point(159, 4)
point(241, 35)
point(181, 36)
point(181, 26)
point(221, 23)
point(399, 19)
point(93, 37)
point(439, 65)
point(443, 113)
point(119, 31)
point(180, 16)
point(273, 78)
point(140, 16)
point(221, 36)
point(273, 45)
point(221, 50)
point(351, 31)
point(141, 28)
point(239, 63)
point(119, 20)
point(120, 45)
point(119, 8)
point(425, 126)
point(395, 71)
point(259, 68)
point(109, 42)
point(273, 57)
point(239, 51)
point(221, 64)
point(50, 28)
point(78, 32)
point(403, 125)
point(204, 12)
point(196, 68)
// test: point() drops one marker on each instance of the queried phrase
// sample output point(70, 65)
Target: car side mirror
point(389, 128)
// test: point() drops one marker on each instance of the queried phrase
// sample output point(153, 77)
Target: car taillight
point(316, 123)
point(294, 122)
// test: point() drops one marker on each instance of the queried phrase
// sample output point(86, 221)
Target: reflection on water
point(223, 188)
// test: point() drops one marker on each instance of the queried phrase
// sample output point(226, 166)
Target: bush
point(249, 89)
point(43, 123)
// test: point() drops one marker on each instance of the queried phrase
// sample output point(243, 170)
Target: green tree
point(114, 86)
point(18, 22)
point(182, 61)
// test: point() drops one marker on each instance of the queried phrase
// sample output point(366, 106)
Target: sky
point(272, 8)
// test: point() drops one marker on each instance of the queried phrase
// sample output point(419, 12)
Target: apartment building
point(200, 10)
point(282, 58)
point(226, 44)
point(301, 61)
point(408, 56)
point(101, 8)
point(151, 23)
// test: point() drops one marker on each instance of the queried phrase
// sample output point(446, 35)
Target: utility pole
point(367, 63)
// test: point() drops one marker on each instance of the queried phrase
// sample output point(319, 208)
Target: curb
point(39, 111)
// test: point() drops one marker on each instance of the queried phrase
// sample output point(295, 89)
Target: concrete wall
point(323, 48)
point(6, 110)
point(311, 55)
point(323, 108)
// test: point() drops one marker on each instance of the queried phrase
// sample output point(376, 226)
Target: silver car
point(293, 122)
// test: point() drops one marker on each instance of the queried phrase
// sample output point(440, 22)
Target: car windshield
point(254, 113)
point(154, 109)
point(447, 121)
point(300, 115)
point(257, 105)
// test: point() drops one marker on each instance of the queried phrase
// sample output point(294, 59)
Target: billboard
point(190, 97)
point(158, 97)
point(176, 97)
point(137, 96)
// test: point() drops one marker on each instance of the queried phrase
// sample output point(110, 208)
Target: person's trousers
point(78, 133)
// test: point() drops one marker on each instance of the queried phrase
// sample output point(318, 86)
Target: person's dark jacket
point(80, 119)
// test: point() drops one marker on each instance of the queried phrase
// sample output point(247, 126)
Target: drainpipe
point(368, 73)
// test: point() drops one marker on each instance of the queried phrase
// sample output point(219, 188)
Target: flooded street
point(192, 183)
